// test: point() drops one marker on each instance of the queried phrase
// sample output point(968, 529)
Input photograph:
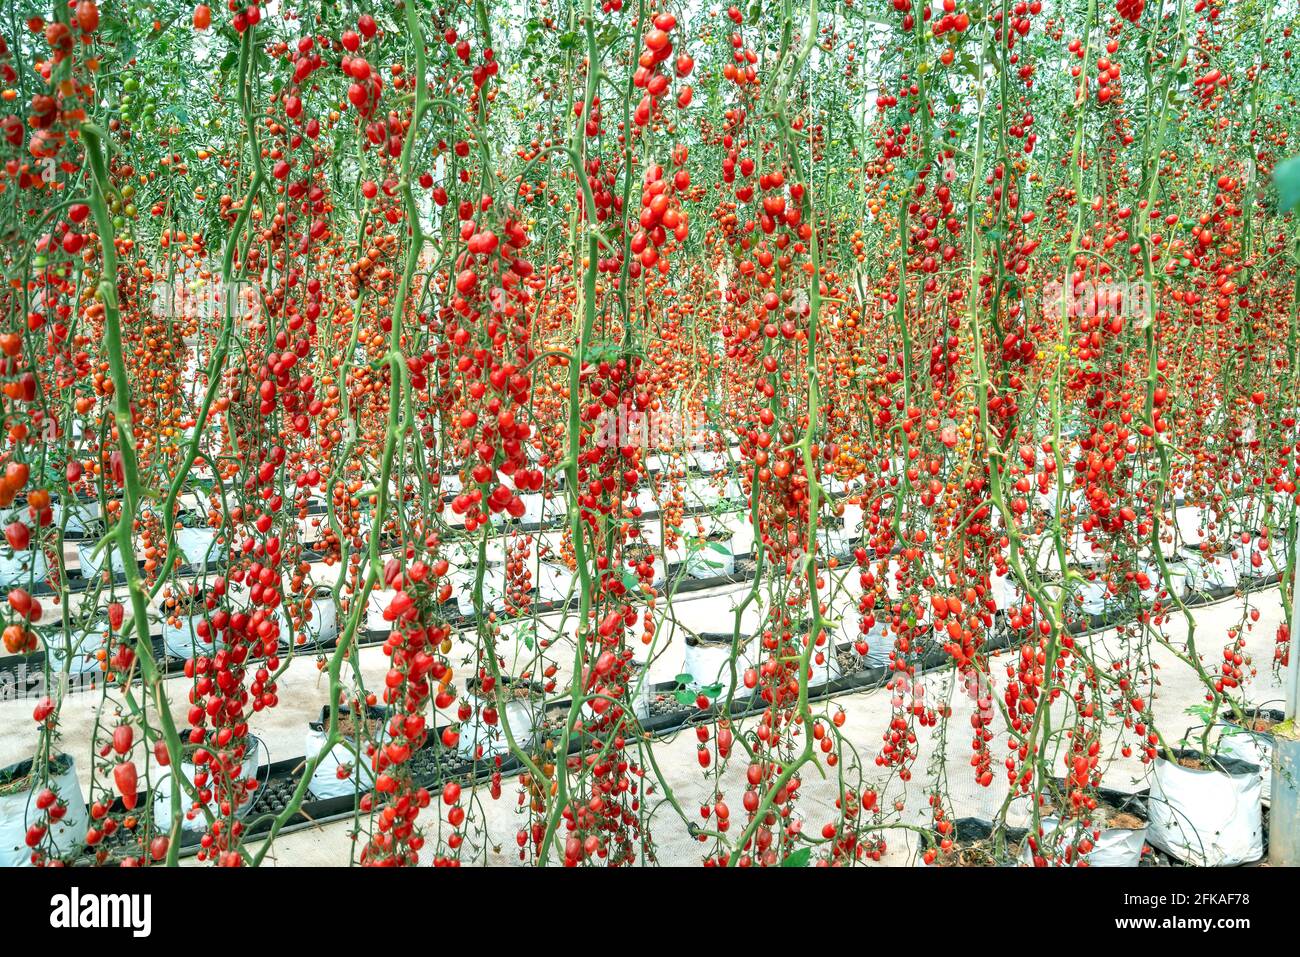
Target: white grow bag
point(534, 508)
point(638, 690)
point(162, 805)
point(29, 565)
point(18, 810)
point(710, 558)
point(1246, 571)
point(553, 582)
point(197, 545)
point(494, 597)
point(92, 564)
point(1006, 591)
point(323, 626)
point(703, 492)
point(376, 605)
point(709, 462)
point(658, 574)
point(325, 780)
point(1207, 818)
point(880, 645)
point(709, 662)
point(1177, 578)
point(830, 669)
point(475, 731)
point(1203, 577)
point(1113, 846)
point(183, 641)
point(77, 649)
point(79, 516)
point(833, 540)
point(1092, 598)
point(1252, 747)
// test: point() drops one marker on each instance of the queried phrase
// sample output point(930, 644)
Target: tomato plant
point(455, 355)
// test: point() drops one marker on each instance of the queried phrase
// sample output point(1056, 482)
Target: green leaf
point(799, 858)
point(1199, 711)
point(1287, 177)
point(684, 679)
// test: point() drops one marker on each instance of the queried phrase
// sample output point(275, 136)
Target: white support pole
point(1293, 668)
point(1284, 816)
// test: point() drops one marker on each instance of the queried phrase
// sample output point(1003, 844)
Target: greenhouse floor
point(302, 693)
